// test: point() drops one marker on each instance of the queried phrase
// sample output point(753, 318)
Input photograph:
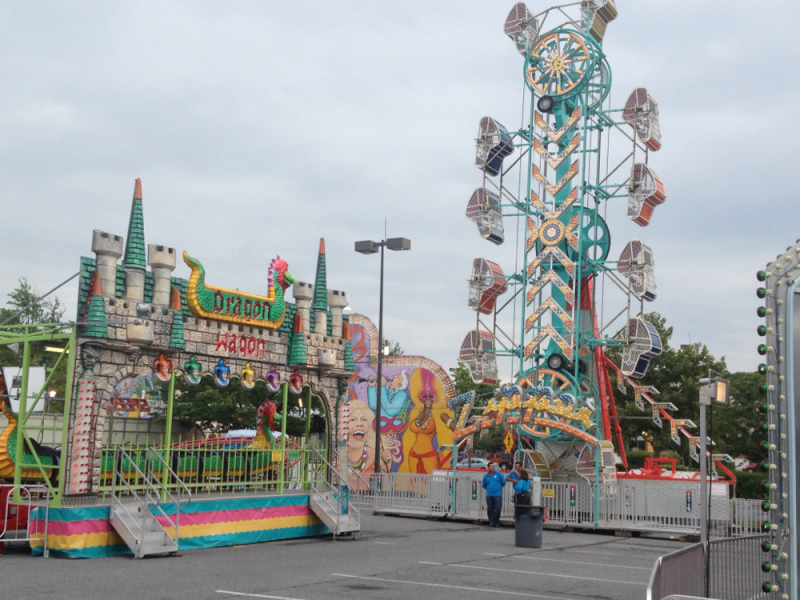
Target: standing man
point(493, 483)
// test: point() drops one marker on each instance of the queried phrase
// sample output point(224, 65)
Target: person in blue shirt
point(513, 476)
point(522, 489)
point(493, 483)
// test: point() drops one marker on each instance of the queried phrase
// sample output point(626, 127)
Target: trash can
point(528, 526)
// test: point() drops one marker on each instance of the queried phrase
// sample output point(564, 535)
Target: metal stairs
point(326, 506)
point(140, 530)
point(134, 506)
point(331, 502)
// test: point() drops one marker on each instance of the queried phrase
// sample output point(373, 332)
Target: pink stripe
point(248, 514)
point(72, 527)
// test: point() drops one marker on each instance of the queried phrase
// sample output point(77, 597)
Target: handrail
point(152, 495)
point(351, 507)
point(177, 479)
point(148, 484)
point(655, 580)
point(357, 474)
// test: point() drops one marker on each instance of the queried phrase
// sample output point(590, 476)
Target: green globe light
point(763, 388)
point(761, 293)
point(767, 587)
point(766, 506)
point(766, 527)
point(762, 349)
point(761, 275)
point(761, 330)
point(766, 567)
point(761, 311)
point(762, 369)
point(765, 447)
point(766, 546)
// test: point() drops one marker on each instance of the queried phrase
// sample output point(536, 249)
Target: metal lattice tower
point(551, 328)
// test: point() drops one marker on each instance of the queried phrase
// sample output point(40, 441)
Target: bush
point(748, 485)
point(669, 454)
point(636, 458)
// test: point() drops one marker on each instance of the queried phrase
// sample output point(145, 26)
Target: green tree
point(23, 300)
point(463, 384)
point(492, 441)
point(23, 308)
point(733, 428)
point(394, 347)
point(207, 406)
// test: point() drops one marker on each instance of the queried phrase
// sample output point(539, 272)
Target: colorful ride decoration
point(162, 367)
point(554, 333)
point(139, 324)
point(8, 446)
point(417, 418)
point(192, 371)
point(268, 311)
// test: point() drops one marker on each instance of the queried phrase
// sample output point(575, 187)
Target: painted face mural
point(414, 416)
point(361, 442)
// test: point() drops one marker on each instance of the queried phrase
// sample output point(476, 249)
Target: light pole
point(370, 247)
point(715, 390)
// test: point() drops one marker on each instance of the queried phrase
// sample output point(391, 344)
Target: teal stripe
point(201, 506)
point(68, 515)
point(93, 552)
point(251, 537)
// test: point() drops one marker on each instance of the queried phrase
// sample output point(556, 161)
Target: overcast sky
point(259, 127)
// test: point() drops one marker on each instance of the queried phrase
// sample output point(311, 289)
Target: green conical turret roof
point(297, 343)
point(321, 284)
point(176, 338)
point(134, 243)
point(96, 325)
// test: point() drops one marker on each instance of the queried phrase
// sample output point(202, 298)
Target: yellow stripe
point(73, 542)
point(189, 531)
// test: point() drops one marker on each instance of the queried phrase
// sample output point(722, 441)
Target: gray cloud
point(258, 128)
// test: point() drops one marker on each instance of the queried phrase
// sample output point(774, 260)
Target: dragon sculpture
point(209, 302)
point(267, 421)
point(8, 445)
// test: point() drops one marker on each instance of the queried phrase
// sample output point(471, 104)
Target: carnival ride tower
point(553, 176)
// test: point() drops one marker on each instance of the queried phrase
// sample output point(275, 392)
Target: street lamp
point(714, 390)
point(370, 247)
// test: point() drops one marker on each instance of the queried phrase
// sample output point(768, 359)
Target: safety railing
point(150, 492)
point(219, 467)
point(734, 568)
point(331, 485)
point(22, 521)
point(734, 571)
point(746, 516)
point(628, 505)
point(680, 572)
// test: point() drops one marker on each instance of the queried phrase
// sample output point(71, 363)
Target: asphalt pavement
point(394, 557)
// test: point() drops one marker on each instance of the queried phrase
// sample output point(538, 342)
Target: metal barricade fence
point(746, 517)
point(734, 568)
point(637, 505)
point(678, 573)
point(21, 523)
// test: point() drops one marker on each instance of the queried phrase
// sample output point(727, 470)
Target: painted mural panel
point(416, 425)
point(137, 396)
